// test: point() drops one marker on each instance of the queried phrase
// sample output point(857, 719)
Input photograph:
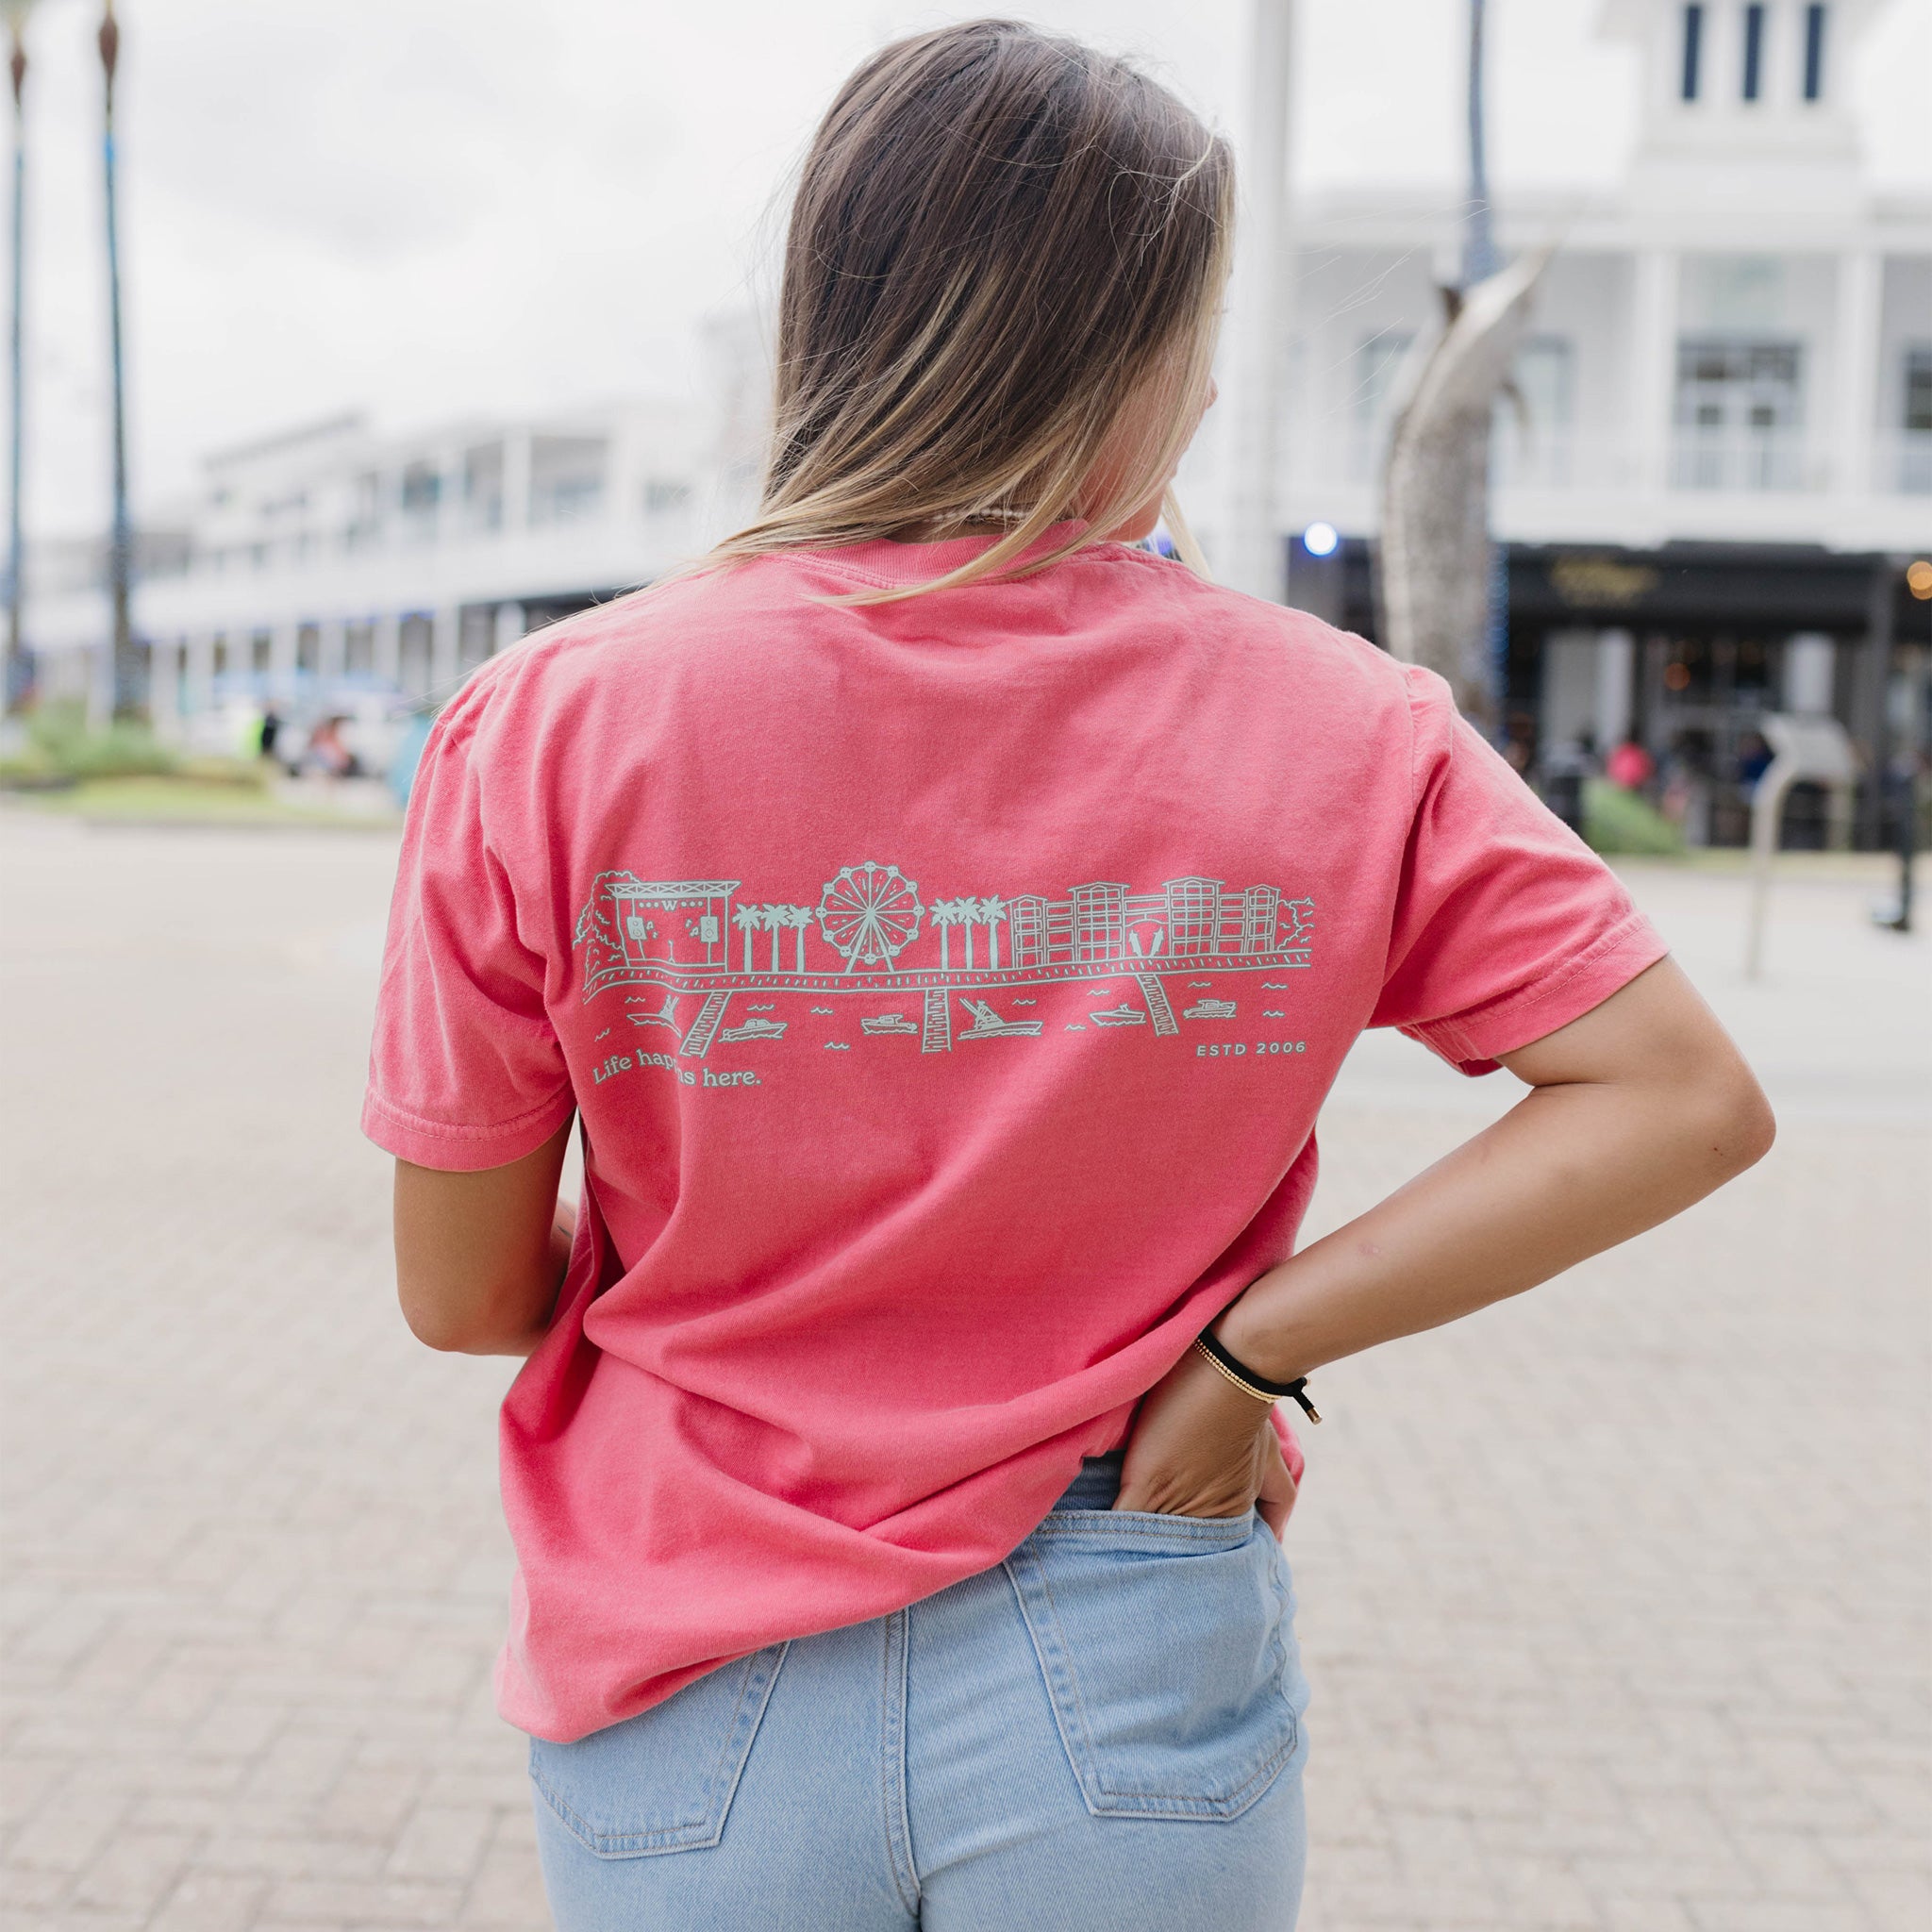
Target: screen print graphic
point(686, 949)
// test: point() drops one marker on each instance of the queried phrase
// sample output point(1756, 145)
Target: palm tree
point(747, 919)
point(969, 918)
point(945, 915)
point(774, 919)
point(800, 919)
point(992, 911)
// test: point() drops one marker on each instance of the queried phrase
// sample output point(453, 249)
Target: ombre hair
point(1000, 238)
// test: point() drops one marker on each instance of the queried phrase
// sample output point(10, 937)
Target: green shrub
point(60, 746)
point(1616, 820)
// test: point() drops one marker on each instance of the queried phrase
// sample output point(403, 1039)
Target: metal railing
point(1748, 459)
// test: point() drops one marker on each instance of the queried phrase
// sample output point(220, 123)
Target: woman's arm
point(1637, 1109)
point(480, 1256)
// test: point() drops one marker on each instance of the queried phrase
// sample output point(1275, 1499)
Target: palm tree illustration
point(945, 915)
point(774, 919)
point(969, 918)
point(799, 918)
point(991, 911)
point(747, 919)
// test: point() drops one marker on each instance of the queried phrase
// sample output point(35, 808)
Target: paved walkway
point(1614, 1599)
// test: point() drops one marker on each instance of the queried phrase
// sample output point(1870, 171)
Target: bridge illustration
point(681, 936)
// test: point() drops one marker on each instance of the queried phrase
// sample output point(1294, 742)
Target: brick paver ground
point(1614, 1599)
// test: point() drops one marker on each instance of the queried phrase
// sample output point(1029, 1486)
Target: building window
point(1377, 360)
point(422, 489)
point(483, 486)
point(1814, 53)
point(1918, 413)
point(1544, 379)
point(1915, 468)
point(1754, 52)
point(567, 478)
point(1740, 414)
point(365, 513)
point(1693, 51)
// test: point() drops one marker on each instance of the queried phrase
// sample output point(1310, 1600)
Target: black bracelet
point(1260, 1386)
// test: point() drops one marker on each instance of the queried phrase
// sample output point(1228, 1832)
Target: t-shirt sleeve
point(466, 1071)
point(1507, 925)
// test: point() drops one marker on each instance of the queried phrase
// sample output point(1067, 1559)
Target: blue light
point(1319, 540)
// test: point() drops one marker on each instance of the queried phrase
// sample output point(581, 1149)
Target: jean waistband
point(1096, 1486)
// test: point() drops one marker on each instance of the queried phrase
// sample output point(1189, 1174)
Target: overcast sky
point(423, 208)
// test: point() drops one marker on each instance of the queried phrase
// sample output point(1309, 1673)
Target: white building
point(332, 556)
point(1719, 467)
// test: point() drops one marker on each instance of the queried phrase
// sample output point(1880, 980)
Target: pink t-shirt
point(948, 989)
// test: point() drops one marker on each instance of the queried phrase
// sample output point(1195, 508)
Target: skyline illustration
point(871, 932)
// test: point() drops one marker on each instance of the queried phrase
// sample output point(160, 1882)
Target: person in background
point(1754, 759)
point(270, 731)
point(1685, 787)
point(897, 1470)
point(1630, 766)
point(328, 753)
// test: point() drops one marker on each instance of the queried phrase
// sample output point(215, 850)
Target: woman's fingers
point(1278, 1491)
point(1197, 1446)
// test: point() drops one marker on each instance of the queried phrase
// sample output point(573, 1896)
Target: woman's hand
point(1202, 1447)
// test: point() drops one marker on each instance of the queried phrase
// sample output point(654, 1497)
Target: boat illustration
point(1119, 1016)
point(756, 1029)
point(886, 1023)
point(1209, 1010)
point(987, 1024)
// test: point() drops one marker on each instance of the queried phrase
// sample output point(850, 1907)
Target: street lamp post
point(1478, 234)
point(1254, 557)
point(1479, 263)
point(11, 678)
point(121, 553)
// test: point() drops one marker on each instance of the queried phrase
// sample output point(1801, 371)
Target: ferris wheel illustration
point(870, 914)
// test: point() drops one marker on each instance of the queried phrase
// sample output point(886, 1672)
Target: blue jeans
point(1103, 1734)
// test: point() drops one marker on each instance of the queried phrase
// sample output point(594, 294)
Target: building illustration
point(871, 932)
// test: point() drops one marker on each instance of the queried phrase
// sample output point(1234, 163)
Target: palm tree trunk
point(799, 927)
point(967, 923)
point(946, 947)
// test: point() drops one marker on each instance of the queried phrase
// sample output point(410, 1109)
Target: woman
point(946, 920)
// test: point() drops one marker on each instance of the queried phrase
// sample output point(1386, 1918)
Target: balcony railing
point(1905, 462)
point(1897, 463)
point(1748, 459)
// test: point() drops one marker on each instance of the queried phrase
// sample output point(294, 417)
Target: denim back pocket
point(1166, 1643)
point(661, 1781)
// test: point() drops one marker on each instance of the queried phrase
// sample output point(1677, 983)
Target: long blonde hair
point(1000, 238)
